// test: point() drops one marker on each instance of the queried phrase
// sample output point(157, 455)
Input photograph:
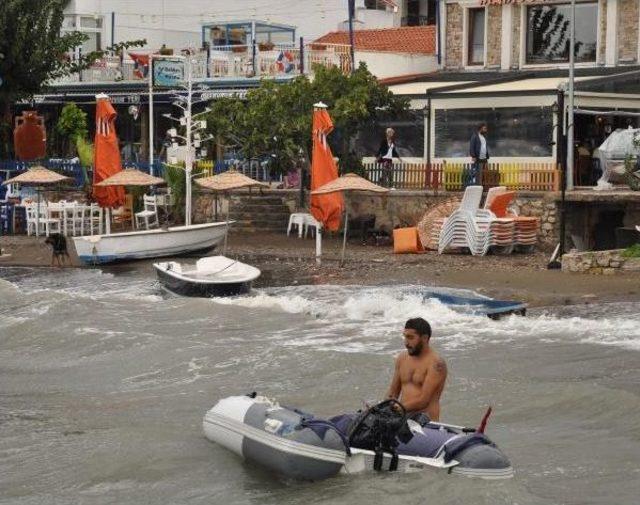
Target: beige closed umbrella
point(38, 176)
point(346, 184)
point(225, 183)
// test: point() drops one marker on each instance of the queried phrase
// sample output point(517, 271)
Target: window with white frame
point(475, 36)
point(548, 29)
point(91, 26)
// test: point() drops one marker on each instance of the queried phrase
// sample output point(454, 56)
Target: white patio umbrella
point(225, 183)
point(349, 183)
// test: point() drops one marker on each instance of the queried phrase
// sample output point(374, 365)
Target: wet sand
point(290, 261)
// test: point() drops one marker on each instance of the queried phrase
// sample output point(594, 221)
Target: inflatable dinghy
point(297, 445)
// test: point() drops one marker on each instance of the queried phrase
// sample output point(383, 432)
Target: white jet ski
point(297, 445)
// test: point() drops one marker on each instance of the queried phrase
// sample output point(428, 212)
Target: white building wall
point(384, 65)
point(178, 23)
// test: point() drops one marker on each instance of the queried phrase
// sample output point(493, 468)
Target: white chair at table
point(148, 216)
point(73, 219)
point(32, 218)
point(93, 219)
point(50, 224)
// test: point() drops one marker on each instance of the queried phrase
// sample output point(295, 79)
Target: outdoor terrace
point(225, 62)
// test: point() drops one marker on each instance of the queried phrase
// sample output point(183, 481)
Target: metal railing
point(523, 176)
point(233, 61)
point(255, 168)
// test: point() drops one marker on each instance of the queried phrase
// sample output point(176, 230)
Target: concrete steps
point(259, 214)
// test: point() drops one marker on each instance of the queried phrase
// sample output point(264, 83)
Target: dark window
point(418, 13)
point(431, 12)
point(475, 37)
point(548, 33)
point(513, 131)
point(375, 5)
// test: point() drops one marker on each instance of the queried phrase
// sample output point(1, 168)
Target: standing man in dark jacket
point(386, 152)
point(479, 152)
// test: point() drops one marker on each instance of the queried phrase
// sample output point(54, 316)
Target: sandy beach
point(290, 261)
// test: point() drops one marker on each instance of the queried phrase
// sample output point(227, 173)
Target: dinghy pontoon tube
point(297, 445)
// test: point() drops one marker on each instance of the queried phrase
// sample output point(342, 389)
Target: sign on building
point(168, 73)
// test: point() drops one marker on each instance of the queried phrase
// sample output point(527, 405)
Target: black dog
point(58, 242)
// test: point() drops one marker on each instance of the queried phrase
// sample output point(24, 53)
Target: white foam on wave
point(75, 284)
point(370, 319)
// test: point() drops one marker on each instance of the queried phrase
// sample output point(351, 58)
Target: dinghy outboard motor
point(380, 429)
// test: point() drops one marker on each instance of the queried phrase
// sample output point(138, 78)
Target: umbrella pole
point(38, 213)
point(226, 230)
point(108, 220)
point(344, 237)
point(319, 245)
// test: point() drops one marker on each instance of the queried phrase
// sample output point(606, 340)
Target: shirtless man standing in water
point(420, 373)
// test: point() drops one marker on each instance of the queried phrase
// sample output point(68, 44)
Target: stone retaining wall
point(599, 262)
point(404, 208)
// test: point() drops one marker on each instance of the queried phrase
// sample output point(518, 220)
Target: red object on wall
point(30, 136)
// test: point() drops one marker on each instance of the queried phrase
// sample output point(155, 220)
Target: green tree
point(275, 119)
point(33, 51)
point(72, 123)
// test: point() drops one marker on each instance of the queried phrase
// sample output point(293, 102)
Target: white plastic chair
point(32, 215)
point(68, 221)
point(73, 218)
point(310, 223)
point(148, 216)
point(468, 226)
point(297, 219)
point(93, 219)
point(50, 224)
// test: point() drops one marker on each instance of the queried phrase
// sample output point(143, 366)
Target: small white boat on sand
point(211, 276)
point(156, 243)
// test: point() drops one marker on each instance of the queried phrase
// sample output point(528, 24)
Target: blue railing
point(254, 168)
point(73, 169)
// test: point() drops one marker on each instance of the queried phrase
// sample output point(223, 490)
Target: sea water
point(104, 380)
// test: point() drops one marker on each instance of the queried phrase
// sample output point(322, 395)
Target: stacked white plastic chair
point(468, 226)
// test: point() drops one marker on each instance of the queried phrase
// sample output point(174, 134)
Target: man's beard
point(415, 351)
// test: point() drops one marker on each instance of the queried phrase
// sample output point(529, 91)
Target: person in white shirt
point(479, 152)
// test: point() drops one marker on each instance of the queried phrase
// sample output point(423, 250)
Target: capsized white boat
point(211, 276)
point(297, 445)
point(156, 243)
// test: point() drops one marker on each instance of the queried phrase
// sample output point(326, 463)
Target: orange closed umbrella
point(107, 155)
point(326, 208)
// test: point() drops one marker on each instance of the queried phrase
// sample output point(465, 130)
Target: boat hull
point(101, 249)
point(201, 290)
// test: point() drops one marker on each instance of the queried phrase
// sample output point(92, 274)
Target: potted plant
point(266, 46)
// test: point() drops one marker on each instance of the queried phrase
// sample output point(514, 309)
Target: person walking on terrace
point(479, 152)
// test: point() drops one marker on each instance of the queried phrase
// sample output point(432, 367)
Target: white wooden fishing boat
point(209, 277)
point(156, 243)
